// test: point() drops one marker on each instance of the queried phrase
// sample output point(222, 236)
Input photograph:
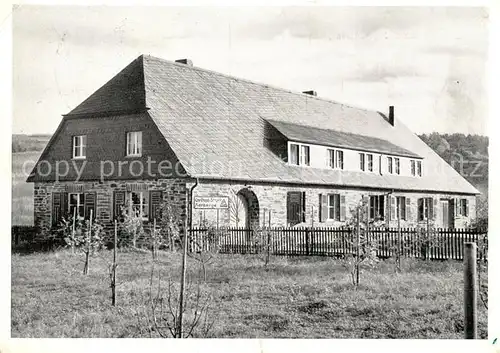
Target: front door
point(446, 216)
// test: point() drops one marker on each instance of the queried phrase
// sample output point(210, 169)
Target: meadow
point(290, 298)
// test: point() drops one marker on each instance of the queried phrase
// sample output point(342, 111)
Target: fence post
point(113, 274)
point(307, 241)
point(358, 230)
point(470, 291)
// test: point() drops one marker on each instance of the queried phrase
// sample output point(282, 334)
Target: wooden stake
point(73, 232)
point(358, 230)
point(113, 279)
point(470, 291)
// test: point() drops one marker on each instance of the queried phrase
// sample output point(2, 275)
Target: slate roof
point(325, 137)
point(215, 125)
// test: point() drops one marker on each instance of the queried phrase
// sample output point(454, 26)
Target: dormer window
point(299, 154)
point(389, 165)
point(416, 168)
point(396, 163)
point(369, 158)
point(335, 159)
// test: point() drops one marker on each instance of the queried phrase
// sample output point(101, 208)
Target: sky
point(428, 62)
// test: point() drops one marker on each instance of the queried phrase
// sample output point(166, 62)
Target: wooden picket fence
point(434, 244)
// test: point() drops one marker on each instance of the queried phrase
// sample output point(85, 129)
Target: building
point(277, 157)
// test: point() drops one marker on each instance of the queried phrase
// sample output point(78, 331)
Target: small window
point(412, 165)
point(134, 143)
point(294, 154)
point(377, 208)
point(139, 202)
point(396, 162)
point(389, 165)
point(425, 206)
point(76, 201)
point(362, 161)
point(304, 155)
point(370, 162)
point(336, 159)
point(334, 207)
point(419, 168)
point(463, 207)
point(79, 146)
point(339, 162)
point(299, 154)
point(401, 207)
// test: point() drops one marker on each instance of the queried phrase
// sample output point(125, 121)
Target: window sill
point(79, 158)
point(133, 156)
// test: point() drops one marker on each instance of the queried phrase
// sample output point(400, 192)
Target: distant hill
point(25, 143)
point(468, 155)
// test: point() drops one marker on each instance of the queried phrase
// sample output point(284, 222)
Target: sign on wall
point(211, 202)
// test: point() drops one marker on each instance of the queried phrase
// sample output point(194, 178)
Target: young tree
point(364, 247)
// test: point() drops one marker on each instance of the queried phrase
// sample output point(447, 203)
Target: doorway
point(447, 218)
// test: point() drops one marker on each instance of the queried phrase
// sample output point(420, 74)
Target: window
point(463, 207)
point(362, 161)
point(76, 200)
point(139, 203)
point(334, 207)
point(412, 164)
point(79, 146)
point(419, 168)
point(134, 143)
point(401, 207)
point(295, 207)
point(299, 154)
point(377, 209)
point(370, 162)
point(389, 165)
point(396, 162)
point(340, 160)
point(304, 155)
point(425, 208)
point(336, 159)
point(294, 154)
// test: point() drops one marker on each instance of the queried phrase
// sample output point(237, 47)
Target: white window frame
point(78, 204)
point(390, 164)
point(334, 160)
point(362, 157)
point(134, 148)
point(369, 164)
point(79, 146)
point(397, 165)
point(141, 203)
point(419, 168)
point(413, 167)
point(301, 157)
point(334, 206)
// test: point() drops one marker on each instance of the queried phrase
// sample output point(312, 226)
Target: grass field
point(304, 298)
point(22, 192)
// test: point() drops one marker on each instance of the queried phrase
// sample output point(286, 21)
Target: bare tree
point(206, 248)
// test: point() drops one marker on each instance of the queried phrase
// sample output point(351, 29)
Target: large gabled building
point(158, 126)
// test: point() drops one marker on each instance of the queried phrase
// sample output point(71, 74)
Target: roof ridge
point(148, 56)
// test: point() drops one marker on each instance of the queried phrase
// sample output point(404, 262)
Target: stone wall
point(272, 197)
point(174, 193)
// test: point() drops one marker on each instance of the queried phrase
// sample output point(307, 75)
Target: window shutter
point(466, 208)
point(408, 209)
point(323, 207)
point(56, 207)
point(430, 205)
point(302, 206)
point(393, 207)
point(118, 202)
point(457, 206)
point(155, 198)
point(65, 204)
point(342, 208)
point(420, 209)
point(90, 204)
point(434, 208)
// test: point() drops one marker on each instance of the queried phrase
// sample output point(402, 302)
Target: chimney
point(311, 93)
point(391, 115)
point(184, 61)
